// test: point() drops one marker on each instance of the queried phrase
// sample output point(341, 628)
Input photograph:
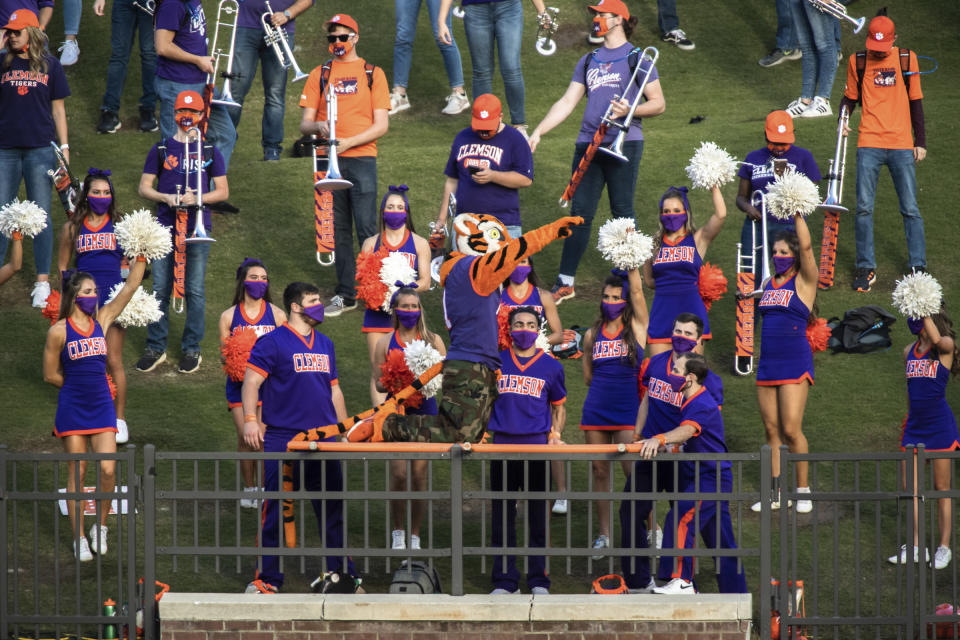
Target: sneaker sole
point(159, 361)
point(394, 112)
point(453, 113)
point(194, 370)
point(142, 130)
point(559, 299)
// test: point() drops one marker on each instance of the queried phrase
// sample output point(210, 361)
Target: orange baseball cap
point(779, 127)
point(486, 112)
point(22, 18)
point(342, 19)
point(616, 7)
point(881, 34)
point(188, 100)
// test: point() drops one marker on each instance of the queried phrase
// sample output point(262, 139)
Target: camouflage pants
point(469, 389)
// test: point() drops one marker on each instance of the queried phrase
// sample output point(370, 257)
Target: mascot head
point(478, 234)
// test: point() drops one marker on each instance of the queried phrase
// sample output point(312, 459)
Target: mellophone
point(276, 38)
point(194, 148)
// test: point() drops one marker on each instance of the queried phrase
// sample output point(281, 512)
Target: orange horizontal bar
point(550, 448)
point(434, 447)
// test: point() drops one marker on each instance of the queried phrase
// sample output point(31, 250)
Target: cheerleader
point(674, 271)
point(407, 324)
point(612, 353)
point(252, 307)
point(929, 362)
point(88, 235)
point(785, 370)
point(397, 235)
point(74, 359)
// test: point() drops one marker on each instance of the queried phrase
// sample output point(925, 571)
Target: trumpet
point(276, 38)
point(547, 26)
point(149, 7)
point(199, 230)
point(458, 12)
point(837, 166)
point(838, 11)
point(334, 180)
point(225, 8)
point(616, 148)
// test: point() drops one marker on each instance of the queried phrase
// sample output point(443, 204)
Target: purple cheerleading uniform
point(99, 254)
point(526, 388)
point(263, 324)
point(532, 299)
point(84, 405)
point(375, 320)
point(472, 321)
point(785, 353)
point(429, 405)
point(676, 272)
point(189, 24)
point(663, 403)
point(607, 407)
point(930, 420)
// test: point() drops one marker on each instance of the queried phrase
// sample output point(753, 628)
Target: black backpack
point(862, 330)
point(415, 577)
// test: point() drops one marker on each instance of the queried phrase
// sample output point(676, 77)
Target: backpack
point(415, 577)
point(862, 330)
point(162, 154)
point(861, 63)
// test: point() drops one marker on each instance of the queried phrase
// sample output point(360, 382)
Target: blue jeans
point(248, 48)
point(621, 180)
point(407, 11)
point(220, 131)
point(31, 165)
point(71, 17)
point(353, 207)
point(816, 38)
point(126, 23)
point(500, 22)
point(903, 171)
point(667, 18)
point(196, 270)
point(785, 38)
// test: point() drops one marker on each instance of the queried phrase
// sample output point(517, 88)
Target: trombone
point(837, 166)
point(199, 230)
point(228, 8)
point(334, 180)
point(276, 38)
point(616, 148)
point(838, 11)
point(547, 26)
point(747, 289)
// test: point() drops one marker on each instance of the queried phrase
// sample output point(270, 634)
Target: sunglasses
point(342, 37)
point(11, 32)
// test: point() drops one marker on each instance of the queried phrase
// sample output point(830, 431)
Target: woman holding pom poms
point(674, 269)
point(408, 324)
point(75, 360)
point(252, 308)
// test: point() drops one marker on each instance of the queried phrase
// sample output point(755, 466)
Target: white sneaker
point(69, 53)
point(676, 587)
point(457, 102)
point(540, 591)
point(123, 434)
point(901, 558)
point(398, 102)
point(942, 557)
point(655, 538)
point(399, 540)
point(602, 542)
point(41, 290)
point(522, 128)
point(804, 506)
point(647, 589)
point(797, 107)
point(250, 503)
point(98, 538)
point(560, 506)
point(818, 108)
point(414, 542)
point(774, 506)
point(503, 592)
point(82, 552)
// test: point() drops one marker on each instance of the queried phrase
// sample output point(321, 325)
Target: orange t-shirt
point(356, 101)
point(885, 117)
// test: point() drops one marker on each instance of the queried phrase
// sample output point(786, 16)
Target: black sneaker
point(271, 154)
point(148, 121)
point(109, 122)
point(150, 359)
point(864, 279)
point(679, 38)
point(189, 363)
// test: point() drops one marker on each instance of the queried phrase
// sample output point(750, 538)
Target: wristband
point(141, 259)
point(18, 235)
point(662, 438)
point(64, 146)
point(249, 417)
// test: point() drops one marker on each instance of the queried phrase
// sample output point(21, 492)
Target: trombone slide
point(228, 8)
point(616, 148)
point(196, 169)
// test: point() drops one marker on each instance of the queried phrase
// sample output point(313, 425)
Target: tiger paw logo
point(171, 162)
point(23, 90)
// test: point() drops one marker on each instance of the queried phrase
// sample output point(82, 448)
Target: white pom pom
point(25, 216)
point(395, 268)
point(711, 167)
point(419, 357)
point(790, 194)
point(624, 246)
point(542, 343)
point(142, 309)
point(918, 295)
point(140, 234)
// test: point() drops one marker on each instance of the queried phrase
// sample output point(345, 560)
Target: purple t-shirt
point(9, 6)
point(506, 151)
point(251, 10)
point(174, 174)
point(471, 318)
point(26, 117)
point(757, 168)
point(187, 20)
point(526, 387)
point(605, 73)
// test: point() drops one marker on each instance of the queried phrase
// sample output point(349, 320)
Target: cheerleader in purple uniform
point(785, 370)
point(522, 289)
point(252, 307)
point(929, 362)
point(75, 360)
point(407, 324)
point(397, 234)
point(674, 271)
point(612, 353)
point(89, 235)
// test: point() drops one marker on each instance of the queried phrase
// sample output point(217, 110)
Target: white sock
point(565, 280)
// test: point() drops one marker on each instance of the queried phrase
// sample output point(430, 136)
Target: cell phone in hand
point(474, 170)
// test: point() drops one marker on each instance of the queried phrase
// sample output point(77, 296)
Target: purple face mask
point(407, 318)
point(612, 310)
point(524, 338)
point(314, 312)
point(682, 344)
point(99, 204)
point(915, 325)
point(256, 289)
point(673, 221)
point(782, 264)
point(676, 382)
point(519, 275)
point(394, 219)
point(87, 304)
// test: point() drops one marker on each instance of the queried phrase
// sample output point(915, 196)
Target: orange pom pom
point(396, 375)
point(52, 310)
point(369, 285)
point(504, 339)
point(112, 386)
point(713, 284)
point(236, 351)
point(817, 335)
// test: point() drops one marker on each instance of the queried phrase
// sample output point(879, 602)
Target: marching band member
point(75, 360)
point(254, 308)
point(674, 270)
point(171, 166)
point(601, 75)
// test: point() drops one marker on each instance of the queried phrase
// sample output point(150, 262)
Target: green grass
point(858, 401)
